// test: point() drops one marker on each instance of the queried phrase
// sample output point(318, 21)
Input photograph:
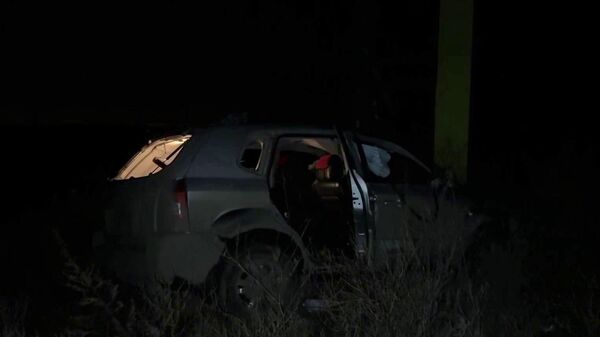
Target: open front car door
point(391, 192)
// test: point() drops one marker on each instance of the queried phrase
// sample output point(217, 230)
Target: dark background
point(85, 84)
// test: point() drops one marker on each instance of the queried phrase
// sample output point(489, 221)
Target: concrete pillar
point(453, 86)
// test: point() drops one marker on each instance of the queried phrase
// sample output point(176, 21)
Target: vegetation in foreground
point(430, 289)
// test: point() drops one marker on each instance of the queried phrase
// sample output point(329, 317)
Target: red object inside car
point(323, 162)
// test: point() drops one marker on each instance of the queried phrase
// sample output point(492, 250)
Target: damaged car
point(245, 207)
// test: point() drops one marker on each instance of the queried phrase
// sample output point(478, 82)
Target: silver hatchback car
point(239, 204)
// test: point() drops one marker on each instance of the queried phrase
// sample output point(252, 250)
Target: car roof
point(270, 128)
point(233, 138)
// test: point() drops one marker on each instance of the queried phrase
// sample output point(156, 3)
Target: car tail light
point(181, 200)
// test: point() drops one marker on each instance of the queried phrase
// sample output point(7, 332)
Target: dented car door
point(395, 184)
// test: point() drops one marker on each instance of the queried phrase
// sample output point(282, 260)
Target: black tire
point(258, 276)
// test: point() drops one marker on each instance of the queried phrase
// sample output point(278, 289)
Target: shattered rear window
point(153, 157)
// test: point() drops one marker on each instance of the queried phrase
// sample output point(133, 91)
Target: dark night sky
point(166, 63)
point(269, 58)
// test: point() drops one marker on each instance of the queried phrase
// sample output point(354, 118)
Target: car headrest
point(329, 168)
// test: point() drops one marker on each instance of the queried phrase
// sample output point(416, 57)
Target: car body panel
point(145, 238)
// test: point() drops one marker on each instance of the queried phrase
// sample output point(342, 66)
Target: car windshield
point(153, 157)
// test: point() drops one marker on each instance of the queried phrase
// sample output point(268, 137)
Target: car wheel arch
point(260, 224)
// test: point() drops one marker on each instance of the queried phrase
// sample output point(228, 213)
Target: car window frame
point(162, 171)
point(259, 164)
point(274, 141)
point(388, 146)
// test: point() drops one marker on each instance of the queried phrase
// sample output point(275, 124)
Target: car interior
point(310, 186)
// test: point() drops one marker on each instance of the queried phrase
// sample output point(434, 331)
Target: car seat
point(329, 172)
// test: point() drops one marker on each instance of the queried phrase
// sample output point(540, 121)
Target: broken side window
point(392, 167)
point(377, 160)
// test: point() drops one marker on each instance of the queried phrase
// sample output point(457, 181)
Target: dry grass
point(12, 318)
point(425, 291)
point(422, 291)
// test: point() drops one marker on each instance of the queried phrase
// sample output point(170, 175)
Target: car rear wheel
point(257, 277)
